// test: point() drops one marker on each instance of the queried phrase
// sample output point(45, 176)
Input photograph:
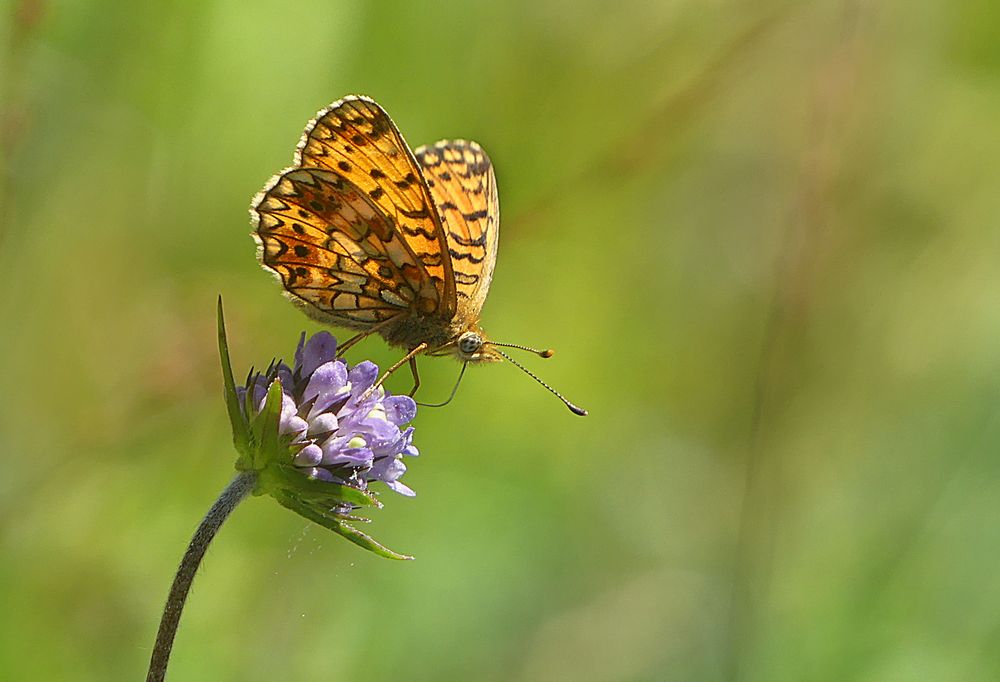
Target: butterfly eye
point(469, 342)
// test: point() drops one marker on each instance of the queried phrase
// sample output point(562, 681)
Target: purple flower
point(338, 427)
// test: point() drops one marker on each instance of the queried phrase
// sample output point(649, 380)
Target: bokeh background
point(763, 237)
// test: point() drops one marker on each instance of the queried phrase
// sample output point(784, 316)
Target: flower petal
point(387, 470)
point(326, 422)
point(319, 349)
point(355, 457)
point(378, 429)
point(327, 384)
point(309, 456)
point(404, 446)
point(321, 474)
point(400, 409)
point(362, 377)
point(401, 488)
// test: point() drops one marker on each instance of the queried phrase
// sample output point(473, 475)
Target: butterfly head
point(472, 346)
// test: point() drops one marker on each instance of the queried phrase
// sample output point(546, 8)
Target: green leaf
point(241, 430)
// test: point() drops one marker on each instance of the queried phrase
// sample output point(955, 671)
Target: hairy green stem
point(234, 493)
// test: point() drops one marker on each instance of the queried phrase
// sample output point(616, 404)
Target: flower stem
point(234, 493)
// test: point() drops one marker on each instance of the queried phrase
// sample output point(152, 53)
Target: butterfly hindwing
point(462, 183)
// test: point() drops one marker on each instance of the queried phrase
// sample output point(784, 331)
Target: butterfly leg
point(350, 342)
point(406, 358)
point(416, 376)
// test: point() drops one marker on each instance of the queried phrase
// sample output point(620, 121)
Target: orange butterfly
point(365, 234)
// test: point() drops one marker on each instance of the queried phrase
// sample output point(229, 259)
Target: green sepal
point(338, 525)
point(241, 430)
point(270, 447)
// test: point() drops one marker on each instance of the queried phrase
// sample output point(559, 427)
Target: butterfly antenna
point(547, 353)
point(453, 390)
point(572, 408)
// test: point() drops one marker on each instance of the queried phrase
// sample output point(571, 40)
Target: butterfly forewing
point(461, 181)
point(356, 139)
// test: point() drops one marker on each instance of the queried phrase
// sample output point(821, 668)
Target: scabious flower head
point(339, 428)
point(317, 433)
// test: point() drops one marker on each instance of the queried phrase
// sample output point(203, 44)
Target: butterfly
point(365, 234)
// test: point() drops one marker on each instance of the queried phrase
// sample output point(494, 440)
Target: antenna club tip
point(577, 410)
point(547, 353)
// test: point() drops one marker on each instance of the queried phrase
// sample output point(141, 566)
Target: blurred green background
point(763, 237)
